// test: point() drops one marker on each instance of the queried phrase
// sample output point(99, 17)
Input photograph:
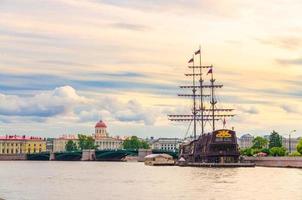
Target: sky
point(66, 64)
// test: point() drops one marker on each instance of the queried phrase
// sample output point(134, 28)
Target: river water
point(119, 180)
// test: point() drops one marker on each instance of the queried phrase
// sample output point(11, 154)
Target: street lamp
point(289, 141)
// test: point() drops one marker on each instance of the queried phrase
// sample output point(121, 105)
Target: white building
point(103, 140)
point(245, 141)
point(60, 143)
point(168, 144)
point(293, 143)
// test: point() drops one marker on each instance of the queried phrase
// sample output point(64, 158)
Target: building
point(60, 143)
point(13, 144)
point(245, 141)
point(168, 144)
point(49, 144)
point(293, 143)
point(103, 140)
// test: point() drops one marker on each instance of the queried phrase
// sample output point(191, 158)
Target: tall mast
point(213, 102)
point(201, 92)
point(210, 114)
point(194, 101)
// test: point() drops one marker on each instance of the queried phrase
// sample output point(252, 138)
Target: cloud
point(128, 26)
point(64, 101)
point(179, 6)
point(131, 111)
point(290, 108)
point(295, 61)
point(249, 110)
point(283, 42)
point(60, 101)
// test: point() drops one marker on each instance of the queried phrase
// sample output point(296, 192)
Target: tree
point(293, 154)
point(71, 146)
point(299, 146)
point(277, 151)
point(275, 140)
point(247, 152)
point(135, 143)
point(259, 142)
point(265, 150)
point(86, 142)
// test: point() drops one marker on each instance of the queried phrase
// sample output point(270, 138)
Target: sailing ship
point(209, 144)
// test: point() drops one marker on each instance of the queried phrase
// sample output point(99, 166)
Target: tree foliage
point(265, 150)
point(71, 146)
point(277, 151)
point(275, 140)
point(86, 142)
point(259, 142)
point(293, 154)
point(135, 143)
point(247, 152)
point(299, 146)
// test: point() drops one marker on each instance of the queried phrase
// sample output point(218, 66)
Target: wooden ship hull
point(219, 146)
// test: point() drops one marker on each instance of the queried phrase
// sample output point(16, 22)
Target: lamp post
point(289, 141)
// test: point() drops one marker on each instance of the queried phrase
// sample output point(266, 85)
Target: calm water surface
point(115, 180)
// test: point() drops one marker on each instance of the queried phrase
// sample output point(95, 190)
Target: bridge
point(100, 155)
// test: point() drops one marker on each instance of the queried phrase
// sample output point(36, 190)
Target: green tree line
point(272, 146)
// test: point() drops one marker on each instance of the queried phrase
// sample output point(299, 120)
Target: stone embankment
point(294, 162)
point(13, 157)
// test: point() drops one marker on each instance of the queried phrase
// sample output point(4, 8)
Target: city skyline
point(67, 64)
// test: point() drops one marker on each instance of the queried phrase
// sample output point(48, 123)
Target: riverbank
point(285, 162)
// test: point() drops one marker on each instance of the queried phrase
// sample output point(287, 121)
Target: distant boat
point(159, 160)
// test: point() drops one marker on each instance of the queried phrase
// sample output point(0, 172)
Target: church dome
point(100, 124)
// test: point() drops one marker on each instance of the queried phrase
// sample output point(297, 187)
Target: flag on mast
point(224, 122)
point(210, 71)
point(191, 60)
point(197, 52)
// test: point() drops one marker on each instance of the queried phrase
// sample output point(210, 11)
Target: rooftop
point(16, 137)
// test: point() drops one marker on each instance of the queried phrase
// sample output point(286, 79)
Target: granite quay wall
point(142, 153)
point(295, 162)
point(13, 157)
point(88, 155)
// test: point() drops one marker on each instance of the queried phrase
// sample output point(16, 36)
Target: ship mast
point(213, 102)
point(201, 91)
point(194, 101)
point(213, 114)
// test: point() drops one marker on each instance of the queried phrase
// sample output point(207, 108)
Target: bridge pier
point(142, 153)
point(52, 156)
point(88, 155)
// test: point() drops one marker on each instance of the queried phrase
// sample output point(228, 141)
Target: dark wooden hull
point(219, 146)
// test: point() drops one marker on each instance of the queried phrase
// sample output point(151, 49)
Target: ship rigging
point(207, 116)
point(217, 145)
